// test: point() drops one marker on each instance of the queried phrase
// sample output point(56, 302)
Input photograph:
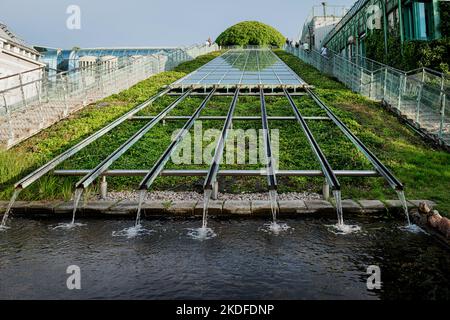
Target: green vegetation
point(416, 54)
point(251, 33)
point(424, 171)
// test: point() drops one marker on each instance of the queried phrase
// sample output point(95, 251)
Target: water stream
point(76, 201)
point(204, 233)
point(8, 209)
point(402, 197)
point(410, 227)
point(274, 226)
point(137, 229)
point(341, 227)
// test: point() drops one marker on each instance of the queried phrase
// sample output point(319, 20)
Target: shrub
point(251, 33)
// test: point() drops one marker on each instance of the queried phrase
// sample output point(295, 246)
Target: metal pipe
point(220, 173)
point(271, 177)
point(215, 165)
point(222, 118)
point(105, 164)
point(326, 167)
point(37, 174)
point(222, 94)
point(390, 178)
point(159, 166)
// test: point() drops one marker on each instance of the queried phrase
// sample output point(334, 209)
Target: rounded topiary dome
point(251, 33)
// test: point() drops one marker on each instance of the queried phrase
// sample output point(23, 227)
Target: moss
point(251, 33)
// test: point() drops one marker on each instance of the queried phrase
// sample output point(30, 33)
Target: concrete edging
point(188, 209)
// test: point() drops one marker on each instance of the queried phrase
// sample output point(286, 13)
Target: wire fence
point(34, 100)
point(419, 96)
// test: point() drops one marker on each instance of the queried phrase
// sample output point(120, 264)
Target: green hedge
point(251, 33)
point(416, 54)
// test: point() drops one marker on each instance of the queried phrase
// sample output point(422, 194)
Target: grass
point(424, 170)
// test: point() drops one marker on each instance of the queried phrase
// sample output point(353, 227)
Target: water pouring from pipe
point(410, 227)
point(341, 227)
point(274, 226)
point(8, 209)
point(76, 201)
point(137, 229)
point(204, 233)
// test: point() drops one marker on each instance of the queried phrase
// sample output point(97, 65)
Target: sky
point(140, 23)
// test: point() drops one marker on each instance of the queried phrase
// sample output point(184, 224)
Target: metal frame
point(37, 174)
point(271, 176)
point(105, 164)
point(227, 61)
point(159, 166)
point(214, 171)
point(326, 168)
point(211, 177)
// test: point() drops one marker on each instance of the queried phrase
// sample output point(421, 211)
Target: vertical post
point(83, 86)
point(441, 127)
point(66, 105)
point(360, 80)
point(371, 85)
point(22, 91)
point(400, 16)
point(41, 111)
point(8, 120)
point(400, 86)
point(103, 188)
point(326, 191)
point(385, 84)
point(419, 99)
point(215, 191)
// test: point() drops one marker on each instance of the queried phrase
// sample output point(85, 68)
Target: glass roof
point(251, 67)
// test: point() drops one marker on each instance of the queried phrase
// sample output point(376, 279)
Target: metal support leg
point(103, 188)
point(326, 191)
point(215, 193)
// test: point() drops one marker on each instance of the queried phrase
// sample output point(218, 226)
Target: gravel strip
point(194, 196)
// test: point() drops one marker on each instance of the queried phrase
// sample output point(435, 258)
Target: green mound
point(251, 33)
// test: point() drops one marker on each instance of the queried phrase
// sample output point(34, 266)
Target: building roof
point(350, 14)
point(7, 34)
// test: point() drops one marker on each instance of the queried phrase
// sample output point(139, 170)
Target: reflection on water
point(241, 262)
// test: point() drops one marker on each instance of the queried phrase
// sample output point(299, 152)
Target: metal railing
point(36, 99)
point(420, 96)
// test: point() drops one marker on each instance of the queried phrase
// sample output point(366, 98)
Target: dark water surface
point(242, 262)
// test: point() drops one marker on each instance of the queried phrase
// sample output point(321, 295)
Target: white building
point(18, 65)
point(319, 23)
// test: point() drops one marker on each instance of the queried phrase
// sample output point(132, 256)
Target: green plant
point(251, 33)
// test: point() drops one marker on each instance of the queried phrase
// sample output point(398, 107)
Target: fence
point(34, 100)
point(420, 96)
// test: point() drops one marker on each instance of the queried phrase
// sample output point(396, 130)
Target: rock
point(444, 227)
point(424, 208)
point(434, 220)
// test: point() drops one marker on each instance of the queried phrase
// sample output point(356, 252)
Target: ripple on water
point(275, 228)
point(202, 234)
point(68, 226)
point(344, 229)
point(133, 232)
point(413, 229)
